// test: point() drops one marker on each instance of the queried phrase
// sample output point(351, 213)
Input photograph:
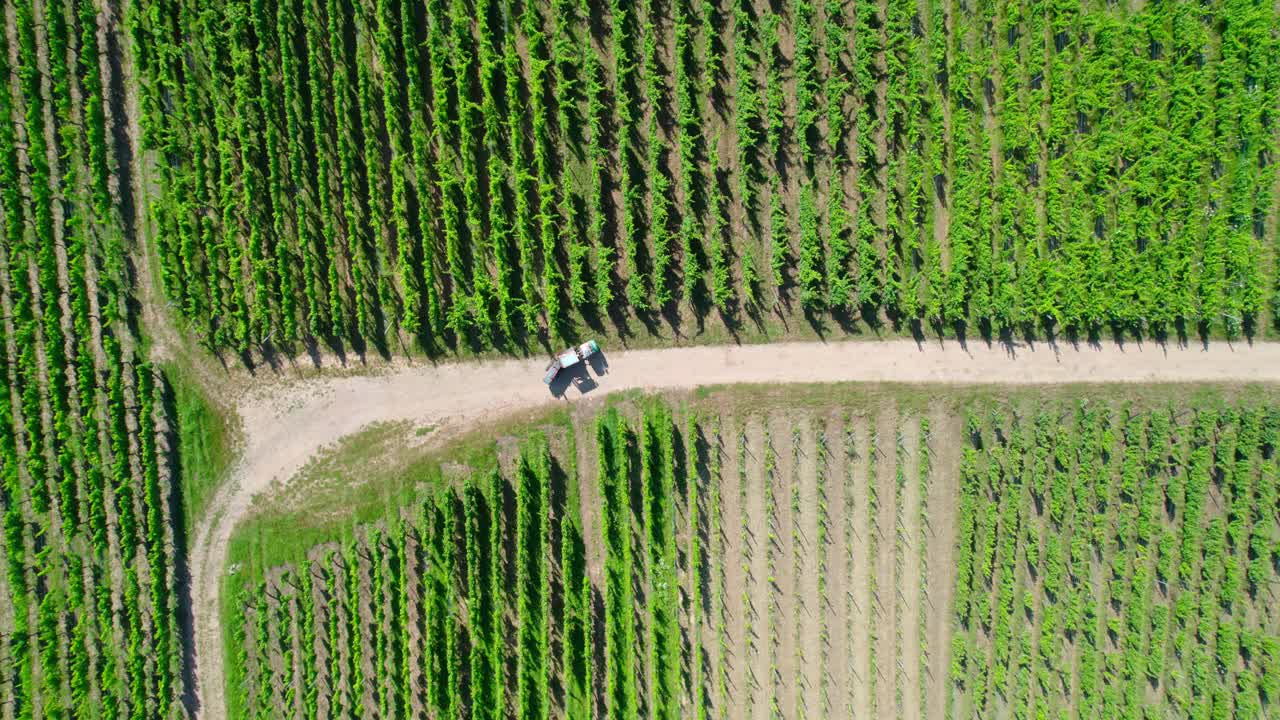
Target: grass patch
point(367, 477)
point(205, 436)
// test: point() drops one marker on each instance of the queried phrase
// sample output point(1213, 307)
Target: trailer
point(552, 370)
point(568, 358)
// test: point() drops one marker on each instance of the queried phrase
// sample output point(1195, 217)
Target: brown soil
point(782, 586)
point(390, 622)
point(343, 682)
point(908, 584)
point(810, 648)
point(944, 494)
point(320, 620)
point(274, 659)
point(683, 561)
point(364, 611)
point(711, 615)
point(733, 566)
point(592, 502)
point(835, 616)
point(754, 592)
point(883, 601)
point(296, 678)
point(253, 661)
point(857, 533)
point(414, 612)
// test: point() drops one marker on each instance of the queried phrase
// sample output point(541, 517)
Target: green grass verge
point(205, 435)
point(367, 477)
point(372, 474)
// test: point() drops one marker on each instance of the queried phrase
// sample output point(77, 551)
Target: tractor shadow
point(599, 363)
point(580, 377)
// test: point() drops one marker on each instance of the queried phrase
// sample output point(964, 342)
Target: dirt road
point(286, 423)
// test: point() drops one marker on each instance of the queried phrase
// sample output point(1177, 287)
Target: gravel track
point(284, 424)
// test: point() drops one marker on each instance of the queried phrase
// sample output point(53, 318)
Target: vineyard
point(1119, 560)
point(439, 612)
point(957, 556)
point(669, 563)
point(89, 621)
point(455, 175)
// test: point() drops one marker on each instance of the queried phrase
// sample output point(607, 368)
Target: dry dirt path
point(285, 423)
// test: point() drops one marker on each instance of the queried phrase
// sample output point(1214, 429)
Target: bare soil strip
point(810, 647)
point(730, 655)
point(286, 422)
point(944, 493)
point(592, 502)
point(713, 619)
point(365, 622)
point(884, 601)
point(909, 583)
point(343, 648)
point(859, 585)
point(252, 660)
point(320, 627)
point(274, 658)
point(753, 594)
point(836, 607)
point(785, 673)
point(297, 679)
point(685, 515)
